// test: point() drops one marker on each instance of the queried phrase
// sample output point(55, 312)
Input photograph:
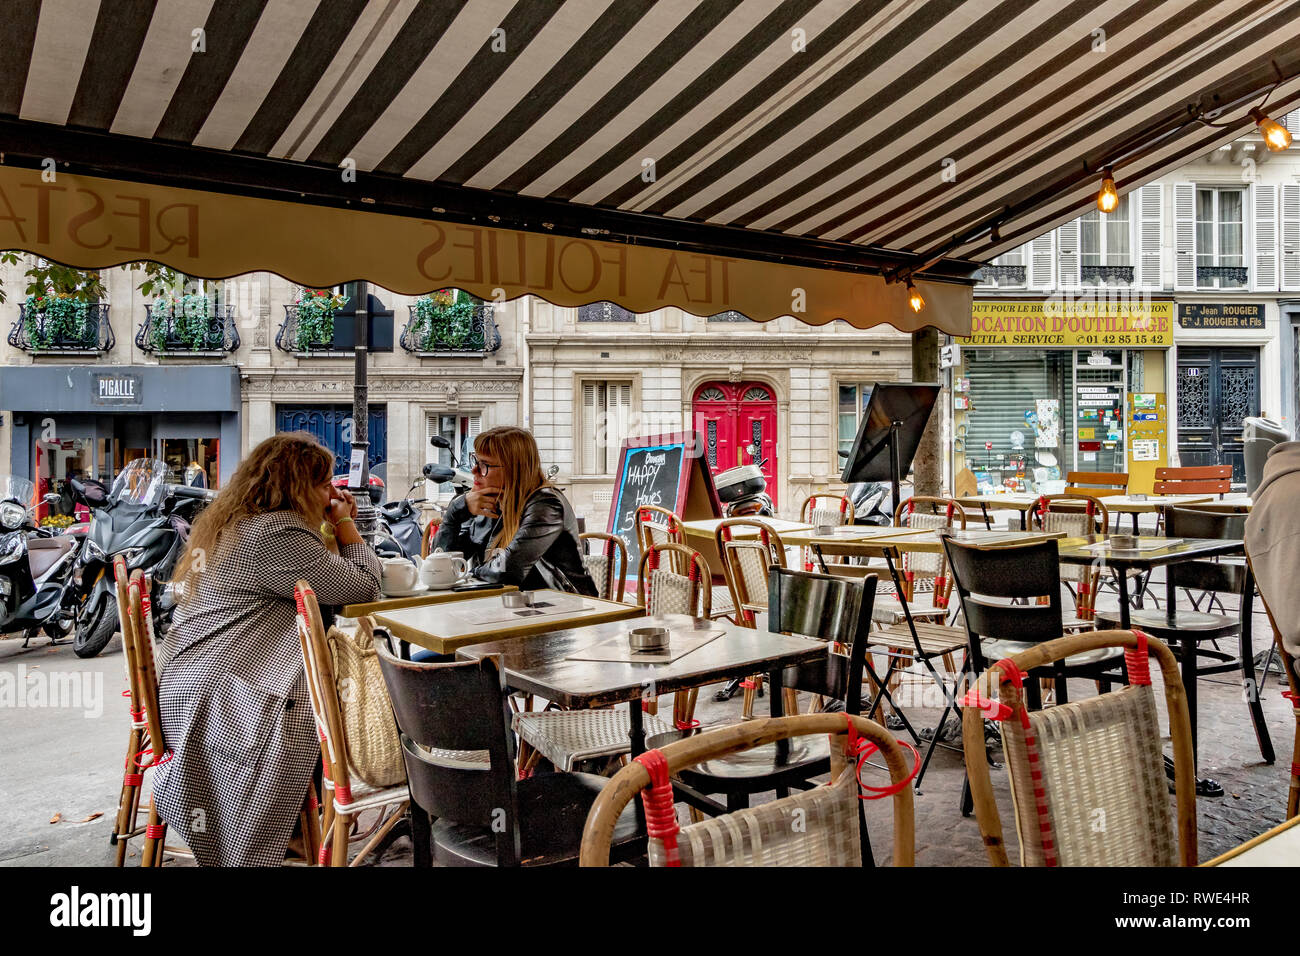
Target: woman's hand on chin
point(483, 502)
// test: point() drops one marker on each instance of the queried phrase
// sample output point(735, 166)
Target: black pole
point(361, 412)
point(894, 477)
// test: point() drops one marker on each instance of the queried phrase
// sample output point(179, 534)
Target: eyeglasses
point(477, 466)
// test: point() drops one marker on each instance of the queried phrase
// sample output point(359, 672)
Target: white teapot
point(442, 569)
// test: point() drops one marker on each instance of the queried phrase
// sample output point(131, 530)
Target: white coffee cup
point(399, 575)
point(443, 568)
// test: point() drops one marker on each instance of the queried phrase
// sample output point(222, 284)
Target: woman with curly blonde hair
point(233, 694)
point(513, 527)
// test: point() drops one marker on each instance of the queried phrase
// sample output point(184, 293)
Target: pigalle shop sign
point(1220, 315)
point(115, 389)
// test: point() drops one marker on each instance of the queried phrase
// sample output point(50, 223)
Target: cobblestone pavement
point(61, 762)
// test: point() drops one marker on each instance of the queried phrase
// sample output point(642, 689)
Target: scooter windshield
point(143, 481)
point(13, 488)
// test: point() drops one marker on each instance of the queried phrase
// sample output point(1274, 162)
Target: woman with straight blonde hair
point(513, 527)
point(233, 694)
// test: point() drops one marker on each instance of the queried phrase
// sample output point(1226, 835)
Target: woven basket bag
point(374, 749)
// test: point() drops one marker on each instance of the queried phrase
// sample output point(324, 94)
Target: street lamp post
point(361, 415)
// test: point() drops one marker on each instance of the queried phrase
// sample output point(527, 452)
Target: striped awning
point(876, 139)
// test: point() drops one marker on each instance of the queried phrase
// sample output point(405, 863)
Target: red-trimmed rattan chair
point(824, 509)
point(655, 525)
point(608, 568)
point(745, 564)
point(1292, 668)
point(1087, 778)
point(819, 827)
point(346, 796)
point(661, 588)
point(1075, 515)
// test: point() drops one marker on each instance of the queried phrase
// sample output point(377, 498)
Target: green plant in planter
point(190, 326)
point(446, 320)
point(316, 310)
point(66, 318)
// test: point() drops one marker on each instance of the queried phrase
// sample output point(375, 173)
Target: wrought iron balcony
point(1230, 275)
point(1002, 275)
point(1106, 274)
point(41, 332)
point(170, 335)
point(427, 335)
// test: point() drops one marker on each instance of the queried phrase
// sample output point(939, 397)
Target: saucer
point(445, 587)
point(418, 589)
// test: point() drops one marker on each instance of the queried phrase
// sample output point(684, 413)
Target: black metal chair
point(1000, 590)
point(1192, 629)
point(826, 607)
point(467, 807)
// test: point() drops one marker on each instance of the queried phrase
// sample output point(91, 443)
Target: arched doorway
point(732, 415)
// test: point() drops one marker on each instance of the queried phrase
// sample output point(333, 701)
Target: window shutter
point(1067, 258)
point(1040, 262)
point(1184, 236)
point(1150, 203)
point(1291, 237)
point(620, 401)
point(589, 463)
point(1265, 238)
point(1292, 121)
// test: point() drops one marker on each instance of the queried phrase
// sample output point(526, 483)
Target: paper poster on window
point(1146, 450)
point(1047, 426)
point(1086, 433)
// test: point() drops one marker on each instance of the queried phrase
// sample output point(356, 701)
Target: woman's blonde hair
point(521, 466)
point(282, 473)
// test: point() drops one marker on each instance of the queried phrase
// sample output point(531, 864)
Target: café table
point(422, 600)
point(444, 628)
point(1014, 501)
point(706, 528)
point(1153, 553)
point(1279, 846)
point(541, 665)
point(1136, 505)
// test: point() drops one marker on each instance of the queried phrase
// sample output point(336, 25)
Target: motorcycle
point(35, 567)
point(147, 521)
point(872, 501)
point(743, 489)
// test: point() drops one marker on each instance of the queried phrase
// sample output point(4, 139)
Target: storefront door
point(1217, 388)
point(731, 416)
point(1099, 401)
point(332, 426)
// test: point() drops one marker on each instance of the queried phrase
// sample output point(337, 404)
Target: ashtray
point(1123, 542)
point(648, 638)
point(517, 599)
point(822, 530)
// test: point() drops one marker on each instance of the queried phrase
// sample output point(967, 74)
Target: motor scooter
point(35, 567)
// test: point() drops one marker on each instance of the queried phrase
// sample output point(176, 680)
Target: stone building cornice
point(409, 382)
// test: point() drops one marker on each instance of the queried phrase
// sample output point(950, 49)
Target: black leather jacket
point(544, 553)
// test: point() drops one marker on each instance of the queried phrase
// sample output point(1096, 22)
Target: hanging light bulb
point(914, 297)
point(1108, 197)
point(1276, 136)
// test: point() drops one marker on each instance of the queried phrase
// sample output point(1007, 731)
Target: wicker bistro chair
point(823, 509)
point(1222, 576)
point(745, 564)
point(468, 806)
point(823, 607)
point(655, 525)
point(1292, 668)
point(142, 680)
point(831, 830)
point(1075, 515)
point(608, 568)
point(1088, 781)
point(347, 797)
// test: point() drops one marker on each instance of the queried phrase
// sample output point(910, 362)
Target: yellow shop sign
point(1065, 322)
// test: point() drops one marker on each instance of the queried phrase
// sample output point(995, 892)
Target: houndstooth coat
point(233, 694)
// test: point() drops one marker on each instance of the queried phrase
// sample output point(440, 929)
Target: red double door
point(731, 416)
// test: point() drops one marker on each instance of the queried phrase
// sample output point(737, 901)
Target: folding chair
point(745, 564)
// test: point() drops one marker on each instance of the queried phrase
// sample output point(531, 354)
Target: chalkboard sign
point(663, 470)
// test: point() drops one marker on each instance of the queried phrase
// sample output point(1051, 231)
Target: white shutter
point(1040, 262)
point(1292, 122)
point(1291, 237)
point(589, 463)
point(618, 416)
point(1184, 236)
point(1067, 254)
point(1150, 210)
point(1265, 238)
